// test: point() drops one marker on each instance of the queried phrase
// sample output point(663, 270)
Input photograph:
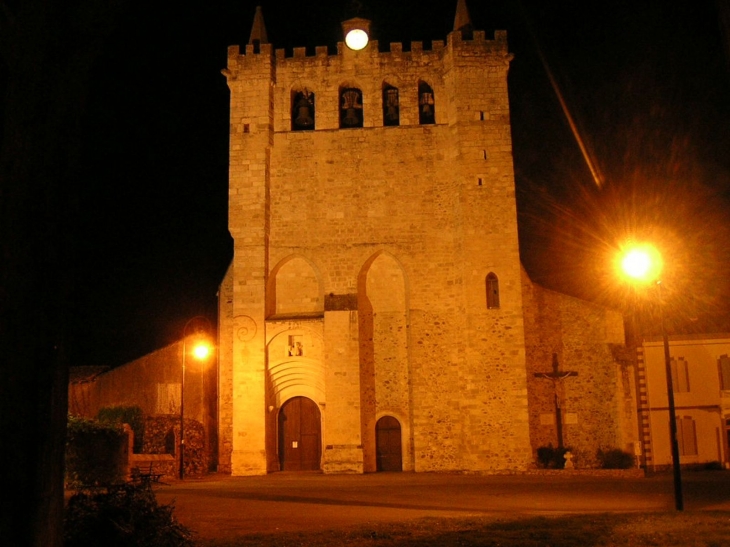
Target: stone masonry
point(363, 259)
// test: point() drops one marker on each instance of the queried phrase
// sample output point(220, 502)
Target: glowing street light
point(643, 263)
point(201, 350)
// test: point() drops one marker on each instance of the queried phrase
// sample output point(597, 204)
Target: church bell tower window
point(492, 291)
point(351, 114)
point(426, 104)
point(302, 116)
point(391, 105)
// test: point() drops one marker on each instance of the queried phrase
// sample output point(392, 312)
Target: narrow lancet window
point(492, 291)
point(391, 105)
point(351, 114)
point(302, 116)
point(426, 104)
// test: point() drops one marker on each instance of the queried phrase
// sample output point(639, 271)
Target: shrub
point(615, 458)
point(123, 516)
point(551, 458)
point(131, 415)
point(95, 453)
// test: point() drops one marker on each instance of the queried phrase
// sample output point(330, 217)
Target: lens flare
point(641, 263)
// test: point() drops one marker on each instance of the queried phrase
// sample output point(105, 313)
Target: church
point(376, 315)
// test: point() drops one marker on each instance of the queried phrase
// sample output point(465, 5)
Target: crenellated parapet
point(373, 88)
point(478, 44)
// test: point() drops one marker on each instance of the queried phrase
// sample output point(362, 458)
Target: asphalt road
point(226, 507)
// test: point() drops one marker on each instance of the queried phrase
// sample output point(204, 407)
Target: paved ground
point(226, 507)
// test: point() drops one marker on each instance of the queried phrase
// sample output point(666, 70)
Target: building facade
point(154, 384)
point(700, 368)
point(375, 313)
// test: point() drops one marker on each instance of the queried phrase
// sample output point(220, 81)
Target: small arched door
point(299, 435)
point(389, 454)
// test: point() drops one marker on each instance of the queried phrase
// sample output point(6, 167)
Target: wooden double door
point(300, 435)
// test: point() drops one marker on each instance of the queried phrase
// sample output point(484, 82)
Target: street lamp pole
point(182, 406)
point(678, 498)
point(201, 351)
point(644, 263)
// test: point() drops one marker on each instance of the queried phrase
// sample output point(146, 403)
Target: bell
point(304, 117)
point(426, 106)
point(391, 110)
point(350, 105)
point(350, 117)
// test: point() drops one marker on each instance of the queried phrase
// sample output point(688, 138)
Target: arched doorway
point(299, 435)
point(389, 454)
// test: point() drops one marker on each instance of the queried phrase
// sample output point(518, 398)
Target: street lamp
point(201, 349)
point(643, 263)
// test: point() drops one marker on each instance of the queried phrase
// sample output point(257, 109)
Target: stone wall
point(162, 438)
point(381, 241)
point(384, 236)
point(594, 402)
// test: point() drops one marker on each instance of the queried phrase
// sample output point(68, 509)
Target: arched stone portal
point(300, 435)
point(384, 353)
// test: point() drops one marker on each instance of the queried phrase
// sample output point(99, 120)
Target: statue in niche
point(296, 348)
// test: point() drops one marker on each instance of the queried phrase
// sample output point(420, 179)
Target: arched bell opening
point(391, 105)
point(302, 110)
point(351, 108)
point(426, 104)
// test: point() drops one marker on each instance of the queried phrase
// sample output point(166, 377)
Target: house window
point(680, 375)
point(391, 105)
point(168, 398)
point(723, 364)
point(492, 291)
point(426, 104)
point(302, 112)
point(686, 436)
point(351, 114)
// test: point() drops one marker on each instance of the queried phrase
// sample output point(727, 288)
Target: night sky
point(646, 82)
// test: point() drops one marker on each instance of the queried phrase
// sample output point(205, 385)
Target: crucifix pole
point(557, 376)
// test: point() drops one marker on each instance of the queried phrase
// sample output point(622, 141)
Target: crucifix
point(557, 376)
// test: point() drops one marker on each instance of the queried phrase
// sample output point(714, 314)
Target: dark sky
point(647, 83)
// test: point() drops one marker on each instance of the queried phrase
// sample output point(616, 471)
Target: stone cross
point(557, 376)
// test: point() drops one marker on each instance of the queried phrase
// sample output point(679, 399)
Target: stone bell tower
point(372, 316)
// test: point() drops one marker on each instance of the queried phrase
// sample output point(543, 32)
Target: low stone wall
point(160, 451)
point(162, 436)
